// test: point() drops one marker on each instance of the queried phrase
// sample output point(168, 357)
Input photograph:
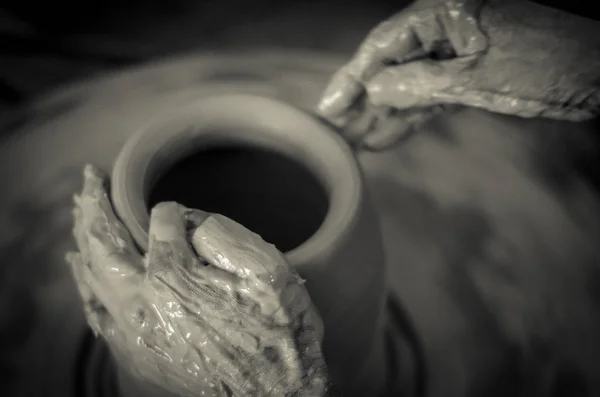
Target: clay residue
point(211, 310)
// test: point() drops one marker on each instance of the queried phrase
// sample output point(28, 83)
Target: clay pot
point(289, 177)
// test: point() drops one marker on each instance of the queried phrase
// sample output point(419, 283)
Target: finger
point(357, 127)
point(170, 251)
point(371, 119)
point(219, 296)
point(387, 134)
point(229, 246)
point(169, 247)
point(419, 84)
point(99, 320)
point(393, 39)
point(399, 126)
point(356, 121)
point(461, 28)
point(80, 237)
point(101, 236)
point(424, 84)
point(76, 262)
point(340, 94)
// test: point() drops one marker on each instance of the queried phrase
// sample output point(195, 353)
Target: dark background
point(43, 44)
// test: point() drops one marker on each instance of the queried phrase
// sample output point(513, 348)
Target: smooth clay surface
point(490, 226)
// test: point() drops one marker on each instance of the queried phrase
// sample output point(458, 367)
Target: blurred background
point(43, 44)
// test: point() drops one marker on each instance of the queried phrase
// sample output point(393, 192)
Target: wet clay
point(211, 310)
point(512, 57)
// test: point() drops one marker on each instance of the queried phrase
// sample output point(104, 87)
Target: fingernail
point(228, 245)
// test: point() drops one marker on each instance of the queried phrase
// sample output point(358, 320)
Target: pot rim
point(225, 120)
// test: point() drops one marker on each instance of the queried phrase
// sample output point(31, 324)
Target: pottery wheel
point(457, 206)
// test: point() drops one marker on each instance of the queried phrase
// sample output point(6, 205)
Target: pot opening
point(269, 193)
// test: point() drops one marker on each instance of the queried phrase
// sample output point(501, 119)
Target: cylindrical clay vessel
point(342, 259)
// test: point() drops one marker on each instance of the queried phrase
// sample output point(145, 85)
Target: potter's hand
point(212, 308)
point(508, 56)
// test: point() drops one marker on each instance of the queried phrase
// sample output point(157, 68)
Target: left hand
point(212, 310)
point(513, 57)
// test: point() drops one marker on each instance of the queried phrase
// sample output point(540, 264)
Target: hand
point(212, 308)
point(507, 56)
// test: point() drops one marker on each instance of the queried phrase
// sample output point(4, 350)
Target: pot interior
point(268, 192)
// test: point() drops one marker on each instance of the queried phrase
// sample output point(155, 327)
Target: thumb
point(419, 84)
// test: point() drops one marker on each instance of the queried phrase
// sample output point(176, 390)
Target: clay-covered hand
point(211, 310)
point(507, 56)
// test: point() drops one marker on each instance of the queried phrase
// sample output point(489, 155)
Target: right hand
point(507, 56)
point(213, 310)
